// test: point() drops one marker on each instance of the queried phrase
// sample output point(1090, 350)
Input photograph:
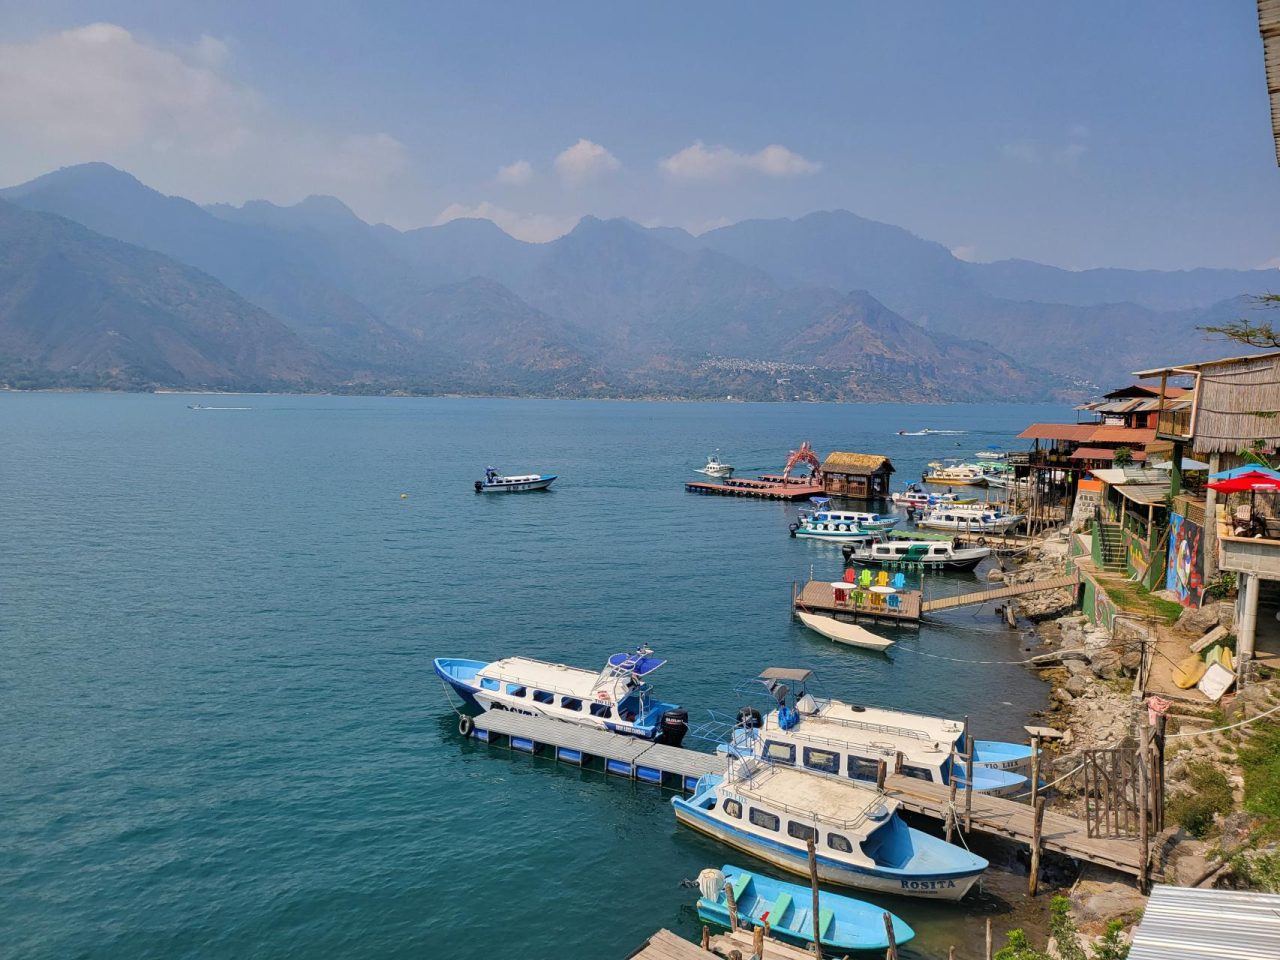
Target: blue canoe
point(999, 755)
point(844, 923)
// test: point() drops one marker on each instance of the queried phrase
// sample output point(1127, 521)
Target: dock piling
point(813, 883)
point(733, 906)
point(968, 794)
point(1036, 827)
point(757, 942)
point(892, 952)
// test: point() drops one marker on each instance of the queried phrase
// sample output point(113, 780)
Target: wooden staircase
point(1111, 547)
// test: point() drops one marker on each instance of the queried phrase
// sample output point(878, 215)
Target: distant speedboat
point(927, 432)
point(715, 468)
point(494, 482)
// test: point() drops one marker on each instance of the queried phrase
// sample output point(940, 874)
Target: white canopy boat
point(991, 520)
point(917, 496)
point(715, 468)
point(841, 632)
point(938, 554)
point(960, 475)
point(494, 482)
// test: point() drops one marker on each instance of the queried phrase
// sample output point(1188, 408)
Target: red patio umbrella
point(1253, 482)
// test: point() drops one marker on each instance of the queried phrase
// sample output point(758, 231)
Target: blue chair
point(899, 581)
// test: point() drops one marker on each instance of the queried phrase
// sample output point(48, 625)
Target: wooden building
point(861, 476)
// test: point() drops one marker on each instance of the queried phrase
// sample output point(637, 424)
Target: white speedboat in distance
point(494, 482)
point(715, 468)
point(992, 520)
point(771, 812)
point(935, 554)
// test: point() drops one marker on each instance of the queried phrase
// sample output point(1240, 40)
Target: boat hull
point(949, 886)
point(458, 676)
point(849, 634)
point(965, 563)
point(1000, 755)
point(520, 486)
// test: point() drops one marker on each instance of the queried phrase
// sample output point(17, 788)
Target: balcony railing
point(1174, 424)
point(1258, 554)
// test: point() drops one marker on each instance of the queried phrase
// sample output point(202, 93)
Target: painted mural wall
point(1185, 576)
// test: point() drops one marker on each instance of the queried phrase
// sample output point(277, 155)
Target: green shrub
point(1260, 759)
point(1210, 794)
point(1260, 872)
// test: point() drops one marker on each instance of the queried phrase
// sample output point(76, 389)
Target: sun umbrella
point(1248, 483)
point(1246, 469)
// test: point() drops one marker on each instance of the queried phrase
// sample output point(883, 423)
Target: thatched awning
point(857, 464)
point(1238, 405)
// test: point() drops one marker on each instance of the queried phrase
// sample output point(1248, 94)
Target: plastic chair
point(899, 581)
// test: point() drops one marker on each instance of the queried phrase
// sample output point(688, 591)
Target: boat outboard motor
point(479, 485)
point(793, 528)
point(847, 552)
point(749, 718)
point(711, 884)
point(675, 724)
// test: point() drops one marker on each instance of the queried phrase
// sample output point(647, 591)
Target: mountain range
point(106, 282)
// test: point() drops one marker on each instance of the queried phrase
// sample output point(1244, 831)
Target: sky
point(1084, 134)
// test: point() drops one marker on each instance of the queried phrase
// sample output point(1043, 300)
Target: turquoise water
point(219, 728)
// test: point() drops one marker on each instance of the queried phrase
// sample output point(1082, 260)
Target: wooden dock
point(765, 487)
point(680, 768)
point(1000, 593)
point(819, 596)
point(665, 945)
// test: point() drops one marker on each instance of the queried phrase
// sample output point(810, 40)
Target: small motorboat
point(935, 554)
point(960, 475)
point(844, 923)
point(917, 496)
point(617, 698)
point(990, 520)
point(715, 468)
point(771, 811)
point(494, 482)
point(841, 632)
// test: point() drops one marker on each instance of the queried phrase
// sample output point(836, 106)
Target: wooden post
point(706, 938)
point(881, 770)
point(968, 794)
point(988, 954)
point(1144, 815)
point(1035, 770)
point(950, 819)
point(732, 904)
point(813, 883)
point(1034, 881)
point(892, 952)
point(897, 762)
point(757, 942)
point(1161, 720)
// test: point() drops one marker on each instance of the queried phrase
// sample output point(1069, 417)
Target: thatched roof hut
point(859, 475)
point(1236, 403)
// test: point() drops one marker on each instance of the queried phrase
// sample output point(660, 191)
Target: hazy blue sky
point(1081, 134)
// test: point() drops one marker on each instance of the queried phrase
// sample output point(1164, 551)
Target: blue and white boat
point(494, 482)
point(824, 523)
point(837, 739)
point(806, 730)
point(844, 923)
point(617, 698)
point(771, 812)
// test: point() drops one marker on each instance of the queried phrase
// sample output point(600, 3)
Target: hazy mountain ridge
point(615, 308)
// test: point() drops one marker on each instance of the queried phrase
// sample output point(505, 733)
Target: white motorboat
point(772, 812)
point(917, 496)
point(494, 482)
point(715, 468)
point(617, 698)
point(990, 520)
point(842, 525)
point(960, 475)
point(849, 634)
point(837, 739)
point(936, 554)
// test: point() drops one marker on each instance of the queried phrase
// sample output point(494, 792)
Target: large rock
point(1077, 685)
point(1096, 899)
point(1198, 621)
point(1106, 663)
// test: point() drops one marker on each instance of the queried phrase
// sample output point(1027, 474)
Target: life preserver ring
point(602, 696)
point(466, 725)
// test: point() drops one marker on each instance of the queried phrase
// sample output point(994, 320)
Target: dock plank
point(999, 593)
point(665, 945)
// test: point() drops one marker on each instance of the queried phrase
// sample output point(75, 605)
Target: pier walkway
point(999, 593)
point(767, 487)
point(679, 767)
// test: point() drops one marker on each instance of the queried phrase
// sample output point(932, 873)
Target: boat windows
point(541, 696)
point(837, 842)
point(733, 809)
point(801, 831)
point(515, 690)
point(899, 551)
point(917, 773)
point(779, 752)
point(601, 710)
point(488, 683)
point(571, 703)
point(825, 761)
point(761, 819)
point(861, 768)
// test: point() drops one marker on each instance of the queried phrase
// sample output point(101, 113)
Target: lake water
point(221, 735)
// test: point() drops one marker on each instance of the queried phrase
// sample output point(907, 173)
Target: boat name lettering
point(927, 884)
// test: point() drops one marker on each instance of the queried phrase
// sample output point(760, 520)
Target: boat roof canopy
point(639, 665)
point(786, 673)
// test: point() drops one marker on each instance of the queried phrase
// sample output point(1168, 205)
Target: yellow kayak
point(1188, 672)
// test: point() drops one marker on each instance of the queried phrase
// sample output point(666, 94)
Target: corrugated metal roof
point(1144, 493)
point(1058, 431)
point(1103, 453)
point(1182, 923)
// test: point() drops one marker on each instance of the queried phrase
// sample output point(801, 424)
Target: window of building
point(762, 819)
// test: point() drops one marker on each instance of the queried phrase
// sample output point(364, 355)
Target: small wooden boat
point(494, 482)
point(848, 633)
point(844, 923)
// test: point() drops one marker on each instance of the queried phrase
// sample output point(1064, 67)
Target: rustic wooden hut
point(864, 476)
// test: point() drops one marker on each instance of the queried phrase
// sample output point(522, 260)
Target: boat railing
point(885, 728)
point(759, 774)
point(850, 746)
point(590, 697)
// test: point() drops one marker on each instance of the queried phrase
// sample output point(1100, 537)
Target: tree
point(1123, 457)
point(1262, 333)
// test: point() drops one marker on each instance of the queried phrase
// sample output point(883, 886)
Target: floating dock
point(680, 768)
point(765, 487)
point(819, 596)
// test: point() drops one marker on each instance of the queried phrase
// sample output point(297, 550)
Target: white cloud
point(178, 118)
point(585, 161)
point(700, 162)
point(516, 174)
point(534, 227)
